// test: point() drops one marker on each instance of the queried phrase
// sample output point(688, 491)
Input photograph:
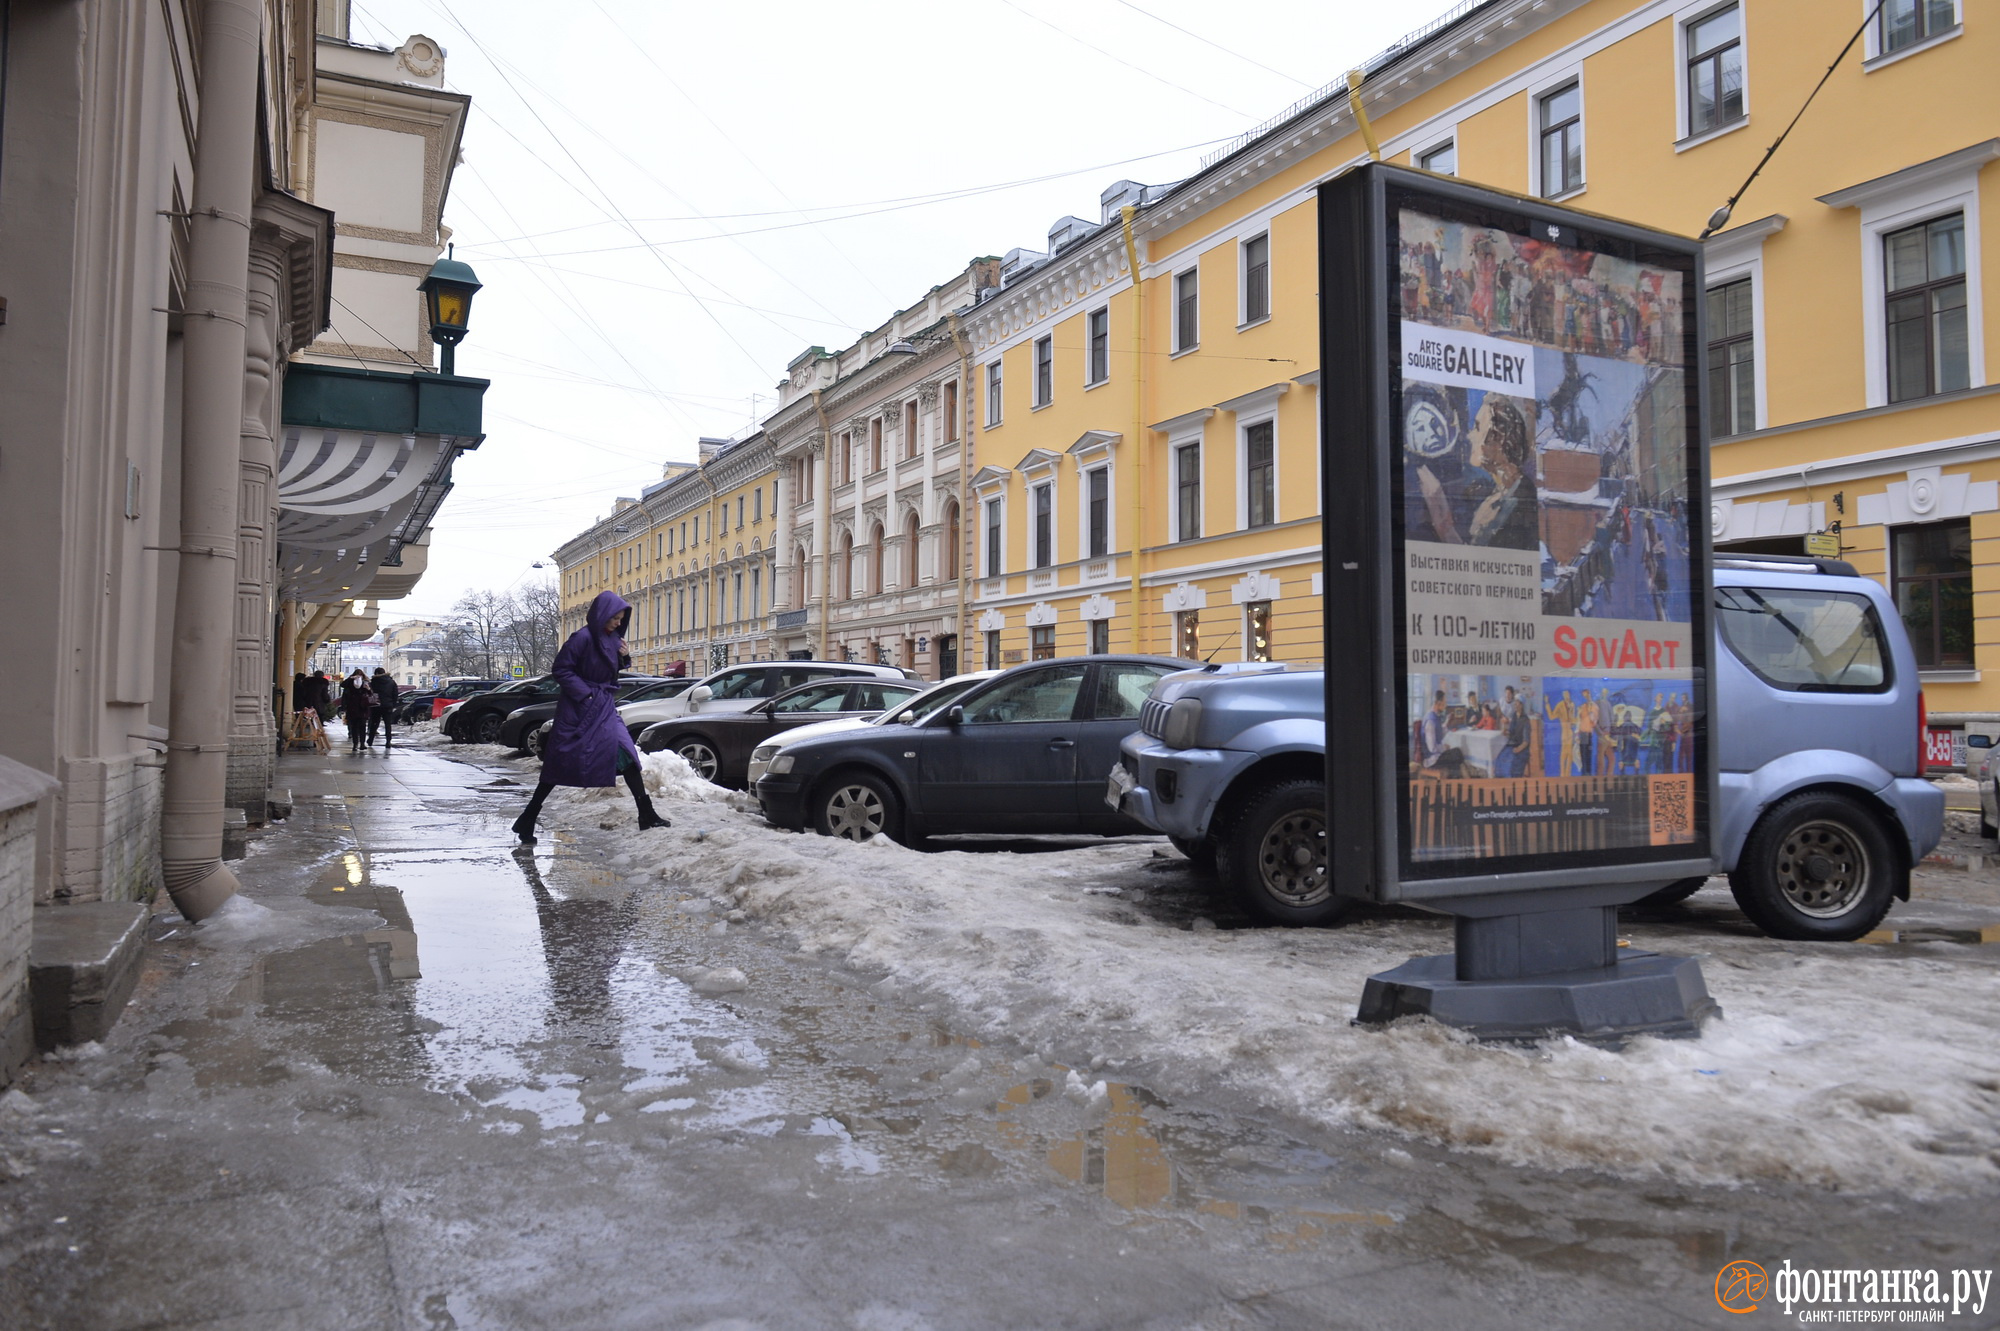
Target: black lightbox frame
point(1366, 764)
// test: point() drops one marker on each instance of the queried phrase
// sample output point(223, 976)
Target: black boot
point(524, 826)
point(649, 817)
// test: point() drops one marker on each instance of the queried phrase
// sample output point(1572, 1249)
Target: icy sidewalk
point(1837, 1066)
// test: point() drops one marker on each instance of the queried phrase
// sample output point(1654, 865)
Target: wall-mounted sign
point(1512, 455)
point(1823, 544)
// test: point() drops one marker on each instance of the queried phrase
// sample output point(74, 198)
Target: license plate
point(1120, 786)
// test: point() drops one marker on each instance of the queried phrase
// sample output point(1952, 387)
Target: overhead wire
point(609, 204)
point(645, 50)
point(1206, 41)
point(1156, 77)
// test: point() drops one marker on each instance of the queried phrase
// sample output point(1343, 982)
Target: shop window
point(1042, 642)
point(1257, 631)
point(1187, 634)
point(1100, 636)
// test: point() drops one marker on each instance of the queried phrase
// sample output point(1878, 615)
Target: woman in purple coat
point(588, 745)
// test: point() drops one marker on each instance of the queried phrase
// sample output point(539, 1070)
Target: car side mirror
point(955, 716)
point(699, 694)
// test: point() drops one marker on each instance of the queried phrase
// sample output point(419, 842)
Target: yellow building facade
point(1147, 462)
point(695, 556)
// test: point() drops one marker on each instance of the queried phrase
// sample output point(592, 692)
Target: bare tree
point(537, 625)
point(478, 633)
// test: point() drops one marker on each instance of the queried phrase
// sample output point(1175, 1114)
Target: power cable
point(1157, 78)
point(385, 342)
point(1309, 87)
point(609, 205)
point(643, 49)
point(1720, 217)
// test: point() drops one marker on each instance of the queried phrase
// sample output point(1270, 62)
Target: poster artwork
point(1543, 504)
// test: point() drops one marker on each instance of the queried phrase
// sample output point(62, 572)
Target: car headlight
point(781, 764)
point(1183, 720)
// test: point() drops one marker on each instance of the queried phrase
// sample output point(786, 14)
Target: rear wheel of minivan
point(1273, 855)
point(1819, 868)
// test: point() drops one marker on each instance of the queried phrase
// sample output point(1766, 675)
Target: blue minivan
point(1823, 806)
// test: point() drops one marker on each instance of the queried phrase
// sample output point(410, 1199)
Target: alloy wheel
point(855, 812)
point(701, 758)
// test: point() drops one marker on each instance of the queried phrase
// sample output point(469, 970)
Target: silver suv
point(1817, 734)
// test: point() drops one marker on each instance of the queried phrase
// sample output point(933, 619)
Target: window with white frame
point(1042, 510)
point(1257, 279)
point(1559, 116)
point(1927, 342)
point(1441, 158)
point(1045, 370)
point(1100, 636)
point(992, 649)
point(1732, 360)
point(993, 514)
point(1097, 332)
point(1902, 24)
point(1097, 512)
point(1187, 492)
point(1714, 69)
point(1187, 310)
point(1260, 474)
point(993, 383)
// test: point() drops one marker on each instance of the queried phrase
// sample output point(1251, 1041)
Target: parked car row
point(1817, 734)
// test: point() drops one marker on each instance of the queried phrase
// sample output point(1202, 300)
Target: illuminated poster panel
point(1538, 520)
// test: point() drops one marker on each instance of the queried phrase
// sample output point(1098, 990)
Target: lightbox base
point(1641, 993)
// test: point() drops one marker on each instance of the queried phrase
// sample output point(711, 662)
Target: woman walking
point(357, 700)
point(588, 745)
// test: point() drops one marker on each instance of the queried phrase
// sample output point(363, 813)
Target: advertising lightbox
point(1515, 503)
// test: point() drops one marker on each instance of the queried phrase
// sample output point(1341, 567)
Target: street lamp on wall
point(448, 289)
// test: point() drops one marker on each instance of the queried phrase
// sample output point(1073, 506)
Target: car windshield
point(921, 706)
point(1805, 641)
point(738, 684)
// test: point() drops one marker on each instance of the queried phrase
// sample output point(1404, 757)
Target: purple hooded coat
point(585, 741)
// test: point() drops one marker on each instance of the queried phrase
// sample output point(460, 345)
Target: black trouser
point(633, 781)
point(386, 719)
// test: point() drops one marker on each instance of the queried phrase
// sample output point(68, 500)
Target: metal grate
point(1153, 717)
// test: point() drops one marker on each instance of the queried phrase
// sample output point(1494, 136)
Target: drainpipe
point(825, 520)
point(201, 694)
point(967, 453)
point(1141, 439)
point(714, 600)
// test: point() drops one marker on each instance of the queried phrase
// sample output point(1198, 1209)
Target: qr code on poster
point(1672, 809)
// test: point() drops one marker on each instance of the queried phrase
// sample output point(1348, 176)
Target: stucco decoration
point(1718, 518)
point(1257, 586)
point(1097, 607)
point(1184, 596)
point(1928, 494)
point(1041, 613)
point(992, 622)
point(421, 56)
point(1753, 519)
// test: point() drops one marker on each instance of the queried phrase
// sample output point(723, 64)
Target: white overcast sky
point(667, 202)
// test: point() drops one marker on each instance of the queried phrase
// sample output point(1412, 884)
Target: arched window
point(910, 561)
point(875, 569)
point(801, 579)
point(948, 561)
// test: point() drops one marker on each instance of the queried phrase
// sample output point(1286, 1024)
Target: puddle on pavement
point(545, 992)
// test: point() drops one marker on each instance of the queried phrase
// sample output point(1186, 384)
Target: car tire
point(1668, 895)
point(1818, 867)
point(857, 806)
point(1273, 856)
point(699, 754)
point(1201, 853)
point(489, 728)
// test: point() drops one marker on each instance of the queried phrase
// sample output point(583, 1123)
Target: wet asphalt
point(530, 1092)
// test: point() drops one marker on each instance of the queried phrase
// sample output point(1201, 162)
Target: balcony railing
point(791, 619)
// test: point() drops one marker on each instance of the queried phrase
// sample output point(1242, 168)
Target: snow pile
point(243, 925)
point(1838, 1067)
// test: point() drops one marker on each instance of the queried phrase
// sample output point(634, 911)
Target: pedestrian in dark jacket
point(322, 695)
point(357, 702)
point(588, 745)
point(384, 686)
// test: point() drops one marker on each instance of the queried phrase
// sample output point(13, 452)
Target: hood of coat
point(607, 607)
